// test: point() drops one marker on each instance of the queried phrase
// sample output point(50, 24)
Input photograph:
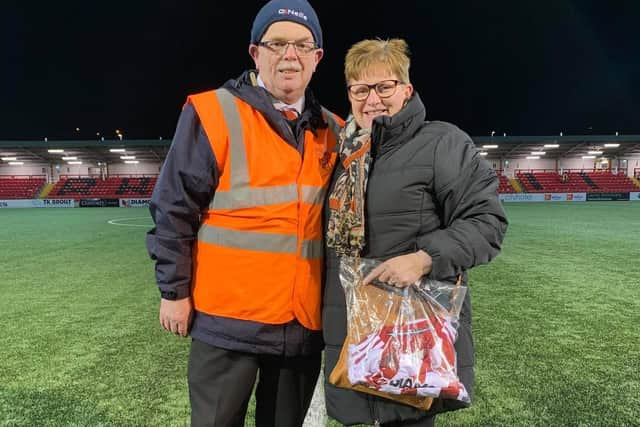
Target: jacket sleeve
point(184, 189)
point(473, 219)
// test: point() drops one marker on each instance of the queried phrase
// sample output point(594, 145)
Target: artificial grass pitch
point(555, 323)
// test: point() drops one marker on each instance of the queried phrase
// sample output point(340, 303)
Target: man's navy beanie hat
point(299, 11)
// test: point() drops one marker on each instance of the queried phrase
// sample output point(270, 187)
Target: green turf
point(555, 321)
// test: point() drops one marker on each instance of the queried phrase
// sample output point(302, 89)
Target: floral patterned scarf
point(345, 230)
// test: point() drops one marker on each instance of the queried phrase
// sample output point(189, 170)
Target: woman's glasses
point(384, 89)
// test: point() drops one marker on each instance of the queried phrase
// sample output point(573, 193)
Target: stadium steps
point(516, 185)
point(46, 189)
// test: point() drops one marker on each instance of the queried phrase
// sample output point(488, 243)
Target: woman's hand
point(401, 271)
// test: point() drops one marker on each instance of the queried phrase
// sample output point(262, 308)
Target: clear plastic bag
point(401, 340)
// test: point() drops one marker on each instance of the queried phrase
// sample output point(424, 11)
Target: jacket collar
point(246, 88)
point(389, 132)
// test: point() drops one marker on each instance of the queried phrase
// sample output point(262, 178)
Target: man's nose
point(290, 51)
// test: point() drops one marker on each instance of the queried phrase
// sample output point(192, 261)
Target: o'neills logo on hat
point(292, 12)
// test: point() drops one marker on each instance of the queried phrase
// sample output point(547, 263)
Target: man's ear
point(253, 53)
point(318, 54)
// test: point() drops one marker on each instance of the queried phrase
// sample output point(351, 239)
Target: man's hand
point(403, 270)
point(175, 316)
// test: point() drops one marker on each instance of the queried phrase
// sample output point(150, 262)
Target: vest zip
point(299, 147)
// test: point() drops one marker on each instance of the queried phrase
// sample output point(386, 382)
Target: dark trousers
point(221, 382)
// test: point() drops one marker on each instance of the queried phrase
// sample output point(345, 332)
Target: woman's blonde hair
point(363, 56)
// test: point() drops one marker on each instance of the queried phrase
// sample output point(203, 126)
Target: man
point(237, 238)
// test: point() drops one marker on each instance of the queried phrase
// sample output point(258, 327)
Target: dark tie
point(290, 114)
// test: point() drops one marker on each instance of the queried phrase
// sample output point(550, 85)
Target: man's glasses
point(384, 89)
point(279, 47)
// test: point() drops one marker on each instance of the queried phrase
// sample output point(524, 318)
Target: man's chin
point(288, 93)
point(289, 82)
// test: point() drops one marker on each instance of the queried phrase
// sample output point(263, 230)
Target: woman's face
point(377, 93)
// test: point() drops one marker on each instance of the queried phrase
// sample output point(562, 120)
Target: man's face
point(286, 74)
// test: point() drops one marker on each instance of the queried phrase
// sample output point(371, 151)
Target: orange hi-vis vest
point(259, 252)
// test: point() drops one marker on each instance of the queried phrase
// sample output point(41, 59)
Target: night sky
point(521, 67)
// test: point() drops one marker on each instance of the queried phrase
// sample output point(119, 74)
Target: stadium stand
point(545, 181)
point(136, 187)
point(585, 177)
point(141, 186)
point(114, 187)
point(608, 182)
point(505, 186)
point(20, 187)
point(552, 182)
point(529, 182)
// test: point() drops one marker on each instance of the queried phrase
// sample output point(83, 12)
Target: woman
point(412, 193)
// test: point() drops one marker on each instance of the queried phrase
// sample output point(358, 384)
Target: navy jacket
point(185, 188)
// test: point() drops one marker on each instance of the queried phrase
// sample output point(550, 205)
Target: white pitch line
point(116, 221)
point(317, 413)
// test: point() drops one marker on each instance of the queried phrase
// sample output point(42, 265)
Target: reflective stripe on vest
point(259, 253)
point(276, 243)
point(241, 195)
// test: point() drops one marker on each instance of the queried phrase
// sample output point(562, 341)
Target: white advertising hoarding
point(543, 197)
point(134, 203)
point(21, 203)
point(38, 203)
